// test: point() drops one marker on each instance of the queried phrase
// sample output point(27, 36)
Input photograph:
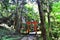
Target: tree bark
point(16, 18)
point(49, 24)
point(41, 13)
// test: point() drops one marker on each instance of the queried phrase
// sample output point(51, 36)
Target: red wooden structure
point(28, 26)
point(35, 25)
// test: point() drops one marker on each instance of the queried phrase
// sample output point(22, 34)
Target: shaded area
point(8, 35)
point(5, 34)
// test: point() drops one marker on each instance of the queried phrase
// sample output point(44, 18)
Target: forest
point(29, 20)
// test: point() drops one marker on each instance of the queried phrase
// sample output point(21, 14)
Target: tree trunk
point(49, 24)
point(19, 15)
point(17, 19)
point(42, 19)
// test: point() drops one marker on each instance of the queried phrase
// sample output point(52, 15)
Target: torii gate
point(20, 18)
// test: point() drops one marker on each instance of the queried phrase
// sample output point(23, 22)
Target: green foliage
point(12, 7)
point(56, 7)
point(55, 19)
point(5, 4)
point(31, 14)
point(6, 8)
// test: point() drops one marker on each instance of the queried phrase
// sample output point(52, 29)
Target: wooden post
point(28, 26)
point(35, 26)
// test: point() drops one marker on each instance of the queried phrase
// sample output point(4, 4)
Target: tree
point(49, 9)
point(39, 2)
point(18, 16)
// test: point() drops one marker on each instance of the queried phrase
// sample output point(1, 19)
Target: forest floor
point(8, 35)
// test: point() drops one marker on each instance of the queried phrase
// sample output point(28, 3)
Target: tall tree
point(18, 16)
point(22, 11)
point(41, 13)
point(49, 9)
